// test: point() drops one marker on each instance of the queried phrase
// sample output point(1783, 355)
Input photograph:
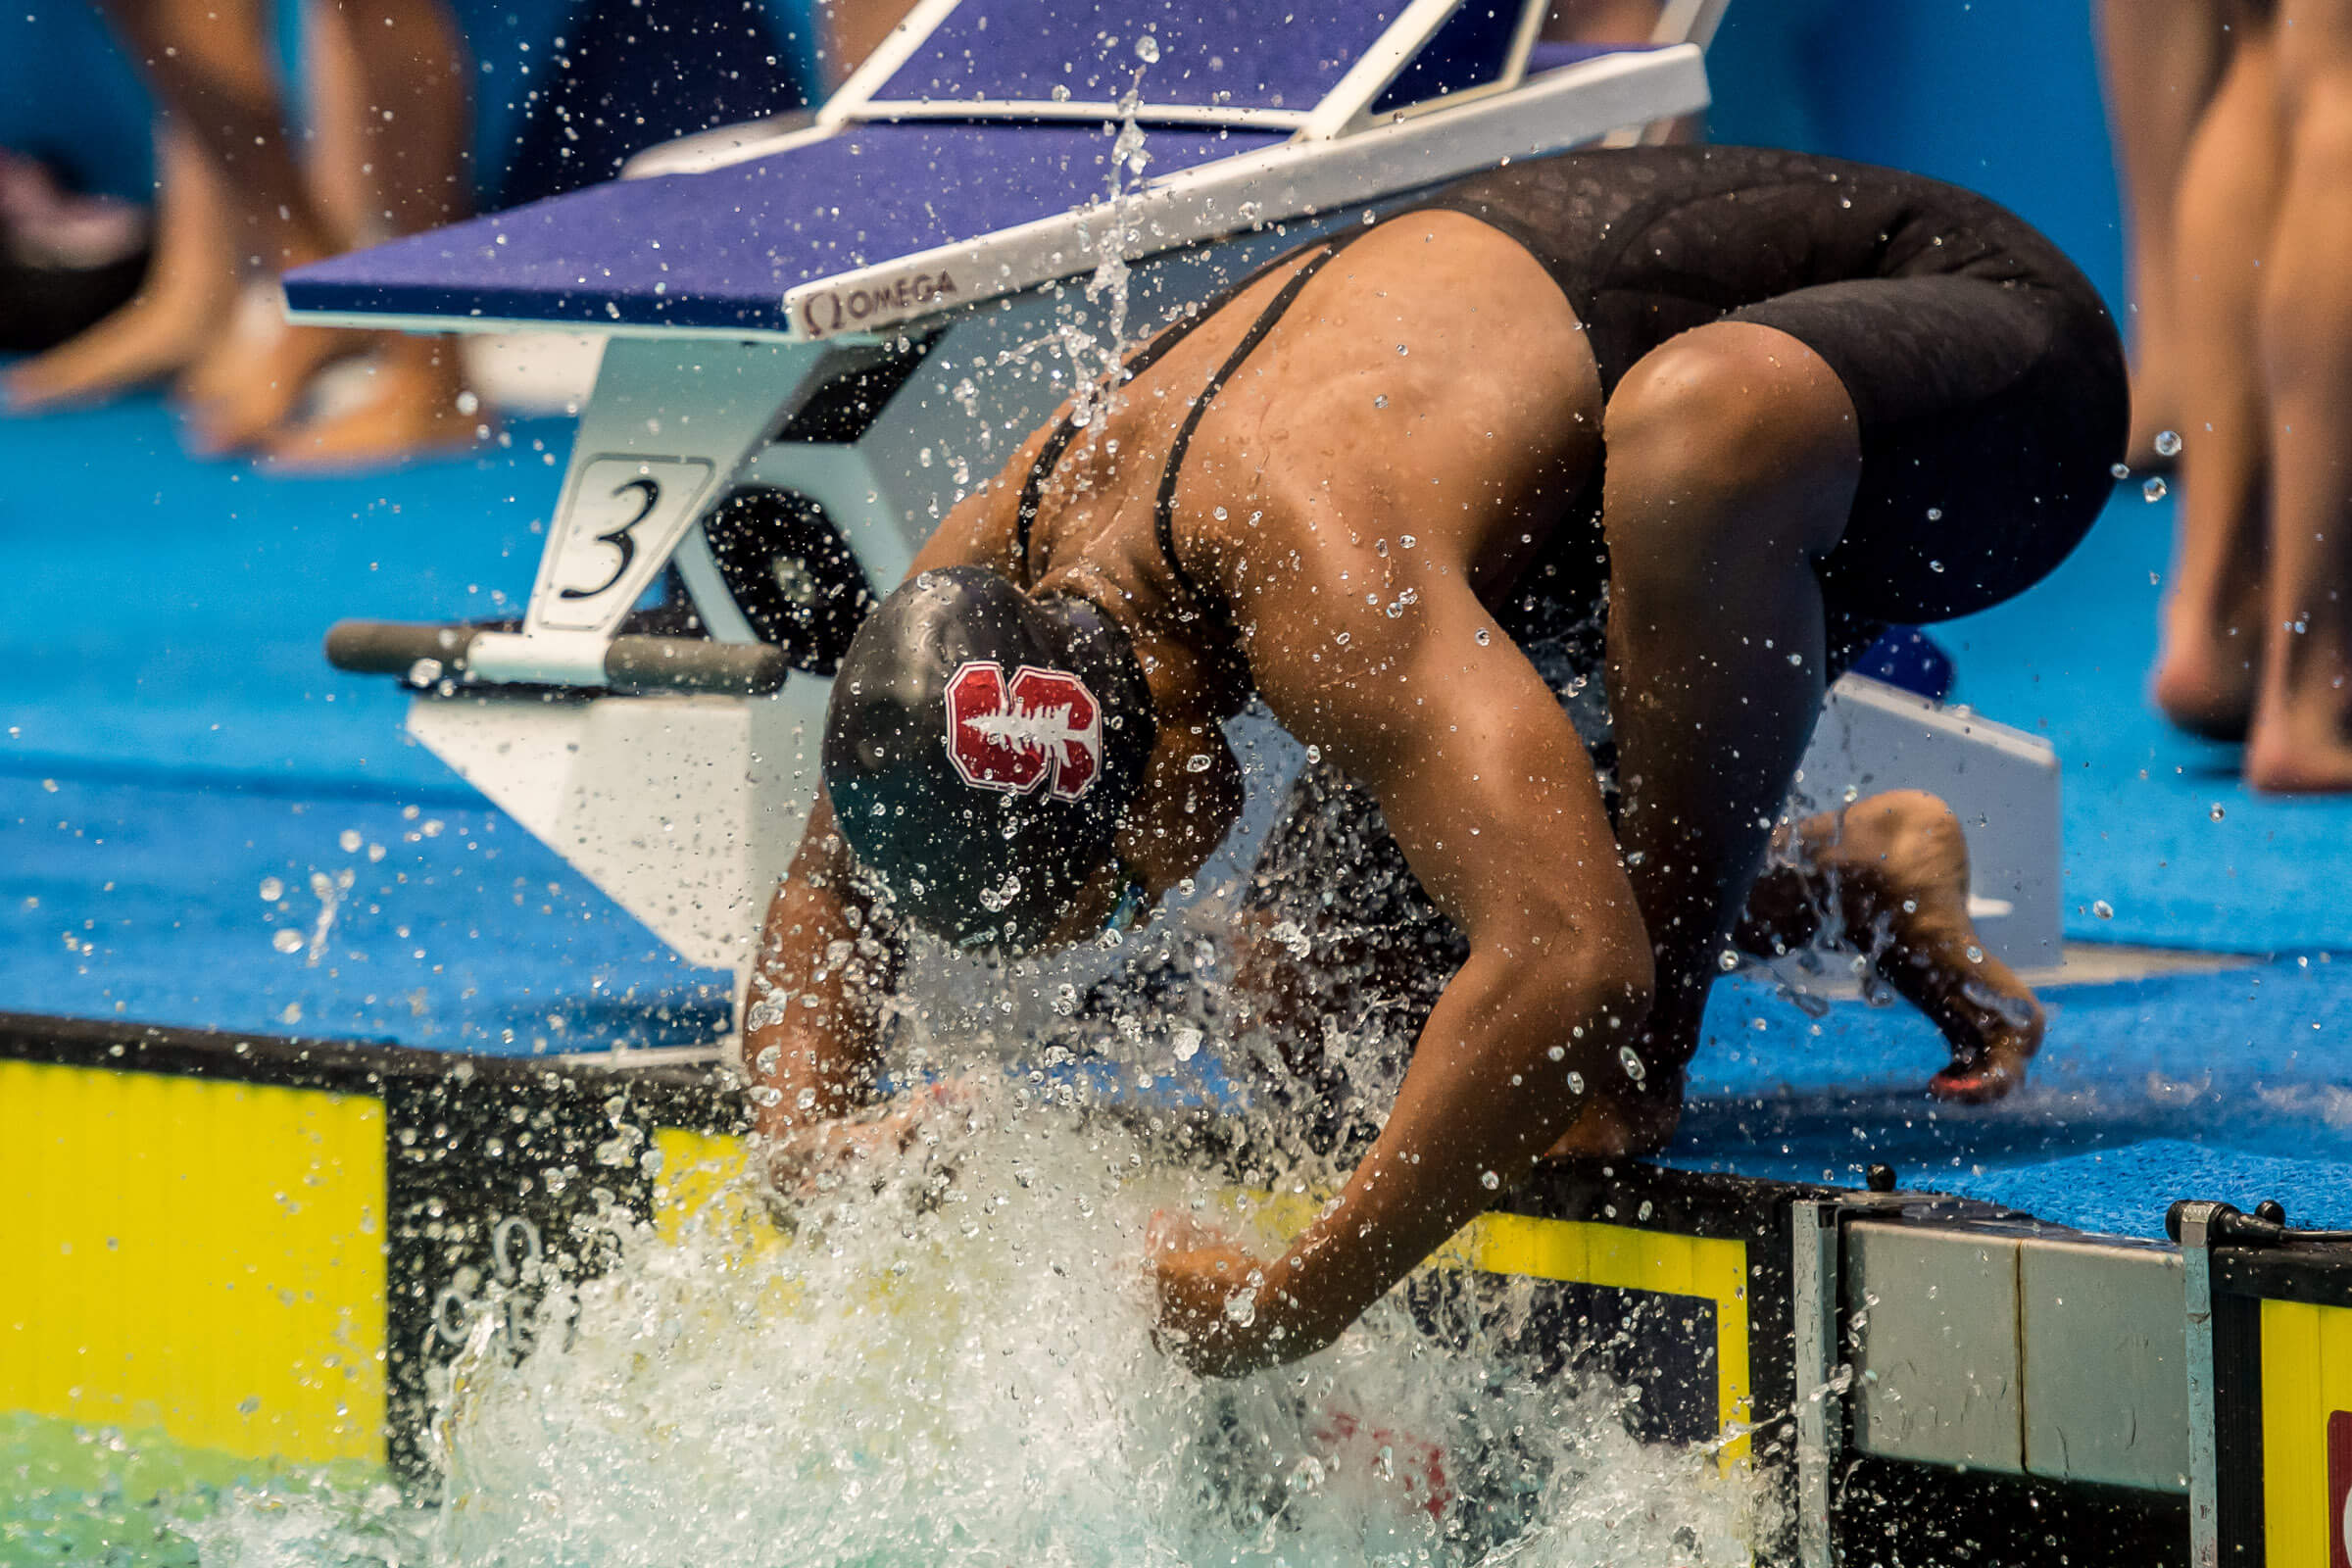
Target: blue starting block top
point(719, 250)
point(1206, 56)
point(976, 154)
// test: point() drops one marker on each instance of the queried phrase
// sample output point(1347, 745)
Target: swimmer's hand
point(1218, 1314)
point(801, 1162)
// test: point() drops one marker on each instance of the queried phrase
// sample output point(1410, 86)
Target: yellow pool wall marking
point(2306, 1376)
point(1627, 1257)
point(203, 1258)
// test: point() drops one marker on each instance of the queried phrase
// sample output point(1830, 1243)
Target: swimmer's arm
point(1493, 800)
point(812, 1044)
point(812, 1038)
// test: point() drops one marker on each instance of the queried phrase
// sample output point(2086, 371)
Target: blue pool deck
point(172, 748)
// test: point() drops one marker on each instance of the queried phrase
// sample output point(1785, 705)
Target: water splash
point(949, 1359)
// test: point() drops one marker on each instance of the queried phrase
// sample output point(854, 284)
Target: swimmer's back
point(1649, 242)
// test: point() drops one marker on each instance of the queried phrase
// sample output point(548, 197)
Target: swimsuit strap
point(1164, 520)
point(1066, 432)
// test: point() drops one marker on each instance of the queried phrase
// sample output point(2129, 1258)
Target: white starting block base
point(685, 810)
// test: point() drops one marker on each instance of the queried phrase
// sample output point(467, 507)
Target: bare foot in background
point(254, 378)
point(412, 401)
point(2209, 666)
point(189, 291)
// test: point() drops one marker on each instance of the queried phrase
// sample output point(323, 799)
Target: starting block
point(820, 333)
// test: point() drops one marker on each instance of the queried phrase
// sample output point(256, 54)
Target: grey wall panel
point(2105, 1350)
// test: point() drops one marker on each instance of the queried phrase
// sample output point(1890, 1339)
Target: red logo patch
point(2339, 1489)
point(1012, 735)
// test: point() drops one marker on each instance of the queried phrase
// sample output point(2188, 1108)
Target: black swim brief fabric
point(1986, 377)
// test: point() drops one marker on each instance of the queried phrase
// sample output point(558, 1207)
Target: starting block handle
point(423, 654)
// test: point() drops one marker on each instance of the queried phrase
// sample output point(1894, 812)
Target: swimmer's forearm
point(1482, 1102)
point(811, 1041)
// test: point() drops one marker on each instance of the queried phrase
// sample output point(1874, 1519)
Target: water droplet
point(1380, 402)
point(1575, 1083)
point(2152, 490)
point(2168, 443)
point(1975, 955)
point(1936, 565)
point(1188, 1043)
point(1400, 348)
point(1796, 658)
point(2121, 470)
point(2218, 813)
point(1483, 638)
point(272, 889)
point(2102, 908)
point(1408, 541)
point(1198, 763)
point(1728, 961)
point(287, 941)
point(1147, 49)
point(1060, 94)
point(1935, 513)
point(1489, 1180)
point(1631, 1064)
point(1557, 1052)
point(351, 840)
point(1242, 1307)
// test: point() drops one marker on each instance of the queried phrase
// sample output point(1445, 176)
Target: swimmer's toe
point(1977, 1083)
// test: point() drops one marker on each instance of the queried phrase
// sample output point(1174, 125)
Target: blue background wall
point(1998, 95)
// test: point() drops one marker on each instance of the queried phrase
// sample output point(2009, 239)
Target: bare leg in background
point(2209, 663)
point(2160, 61)
point(2301, 741)
point(394, 153)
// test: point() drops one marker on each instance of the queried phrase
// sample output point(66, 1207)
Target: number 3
point(649, 494)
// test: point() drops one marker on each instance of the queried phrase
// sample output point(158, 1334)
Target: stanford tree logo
point(1011, 735)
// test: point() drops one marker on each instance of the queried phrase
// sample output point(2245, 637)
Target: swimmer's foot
point(253, 379)
point(1900, 862)
point(405, 400)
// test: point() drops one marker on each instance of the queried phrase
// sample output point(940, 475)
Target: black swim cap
point(980, 748)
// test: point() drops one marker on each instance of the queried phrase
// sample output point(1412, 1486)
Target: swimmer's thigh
point(1991, 416)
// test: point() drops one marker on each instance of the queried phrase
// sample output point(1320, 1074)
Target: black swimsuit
point(1987, 378)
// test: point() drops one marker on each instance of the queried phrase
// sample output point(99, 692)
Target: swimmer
point(1366, 487)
